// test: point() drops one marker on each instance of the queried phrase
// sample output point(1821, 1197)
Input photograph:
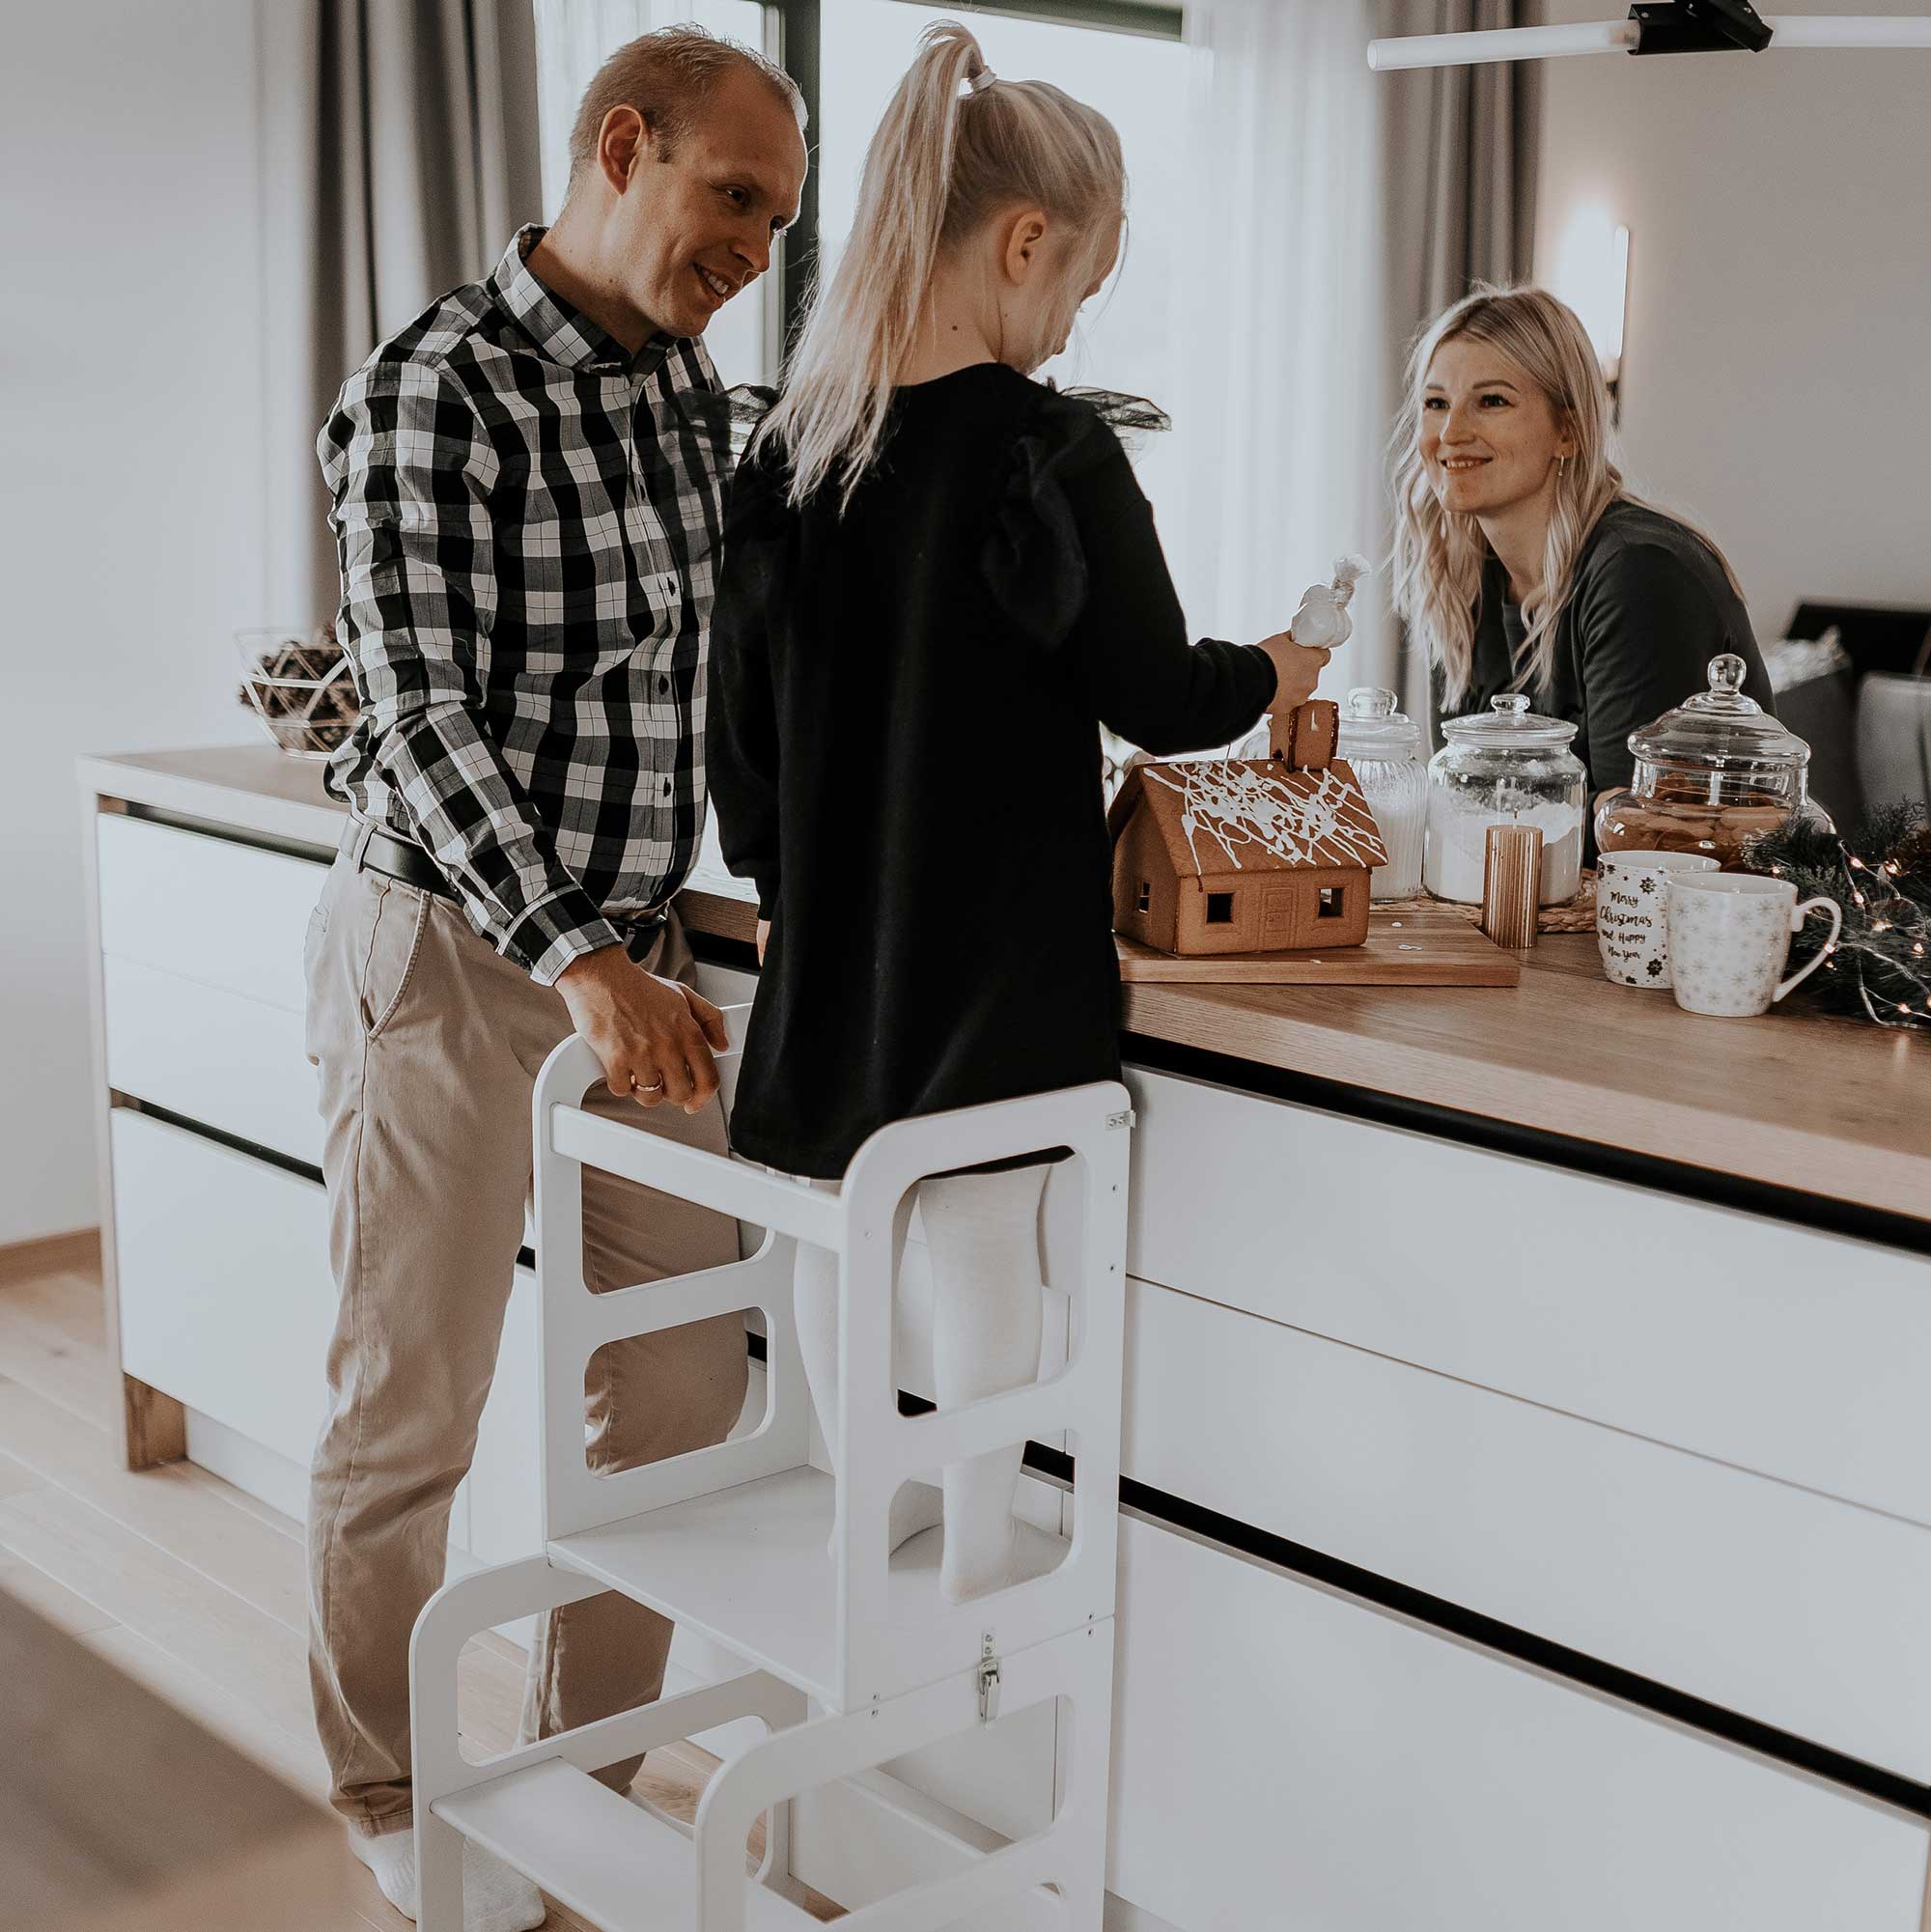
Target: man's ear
point(624, 143)
point(1026, 238)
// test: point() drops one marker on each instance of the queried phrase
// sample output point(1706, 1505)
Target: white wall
point(131, 528)
point(1777, 364)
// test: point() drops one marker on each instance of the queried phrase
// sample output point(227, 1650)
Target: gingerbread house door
point(1287, 917)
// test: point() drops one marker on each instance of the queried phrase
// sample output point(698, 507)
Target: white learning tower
point(850, 1658)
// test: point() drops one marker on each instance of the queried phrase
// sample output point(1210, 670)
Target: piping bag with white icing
point(1321, 622)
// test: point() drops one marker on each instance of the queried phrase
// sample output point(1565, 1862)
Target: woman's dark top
point(903, 749)
point(1651, 606)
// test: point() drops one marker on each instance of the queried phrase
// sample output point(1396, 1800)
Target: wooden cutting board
point(1430, 945)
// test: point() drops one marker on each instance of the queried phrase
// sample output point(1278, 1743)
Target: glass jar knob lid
point(1371, 727)
point(1719, 726)
point(1509, 722)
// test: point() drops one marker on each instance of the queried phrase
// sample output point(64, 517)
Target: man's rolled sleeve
point(409, 472)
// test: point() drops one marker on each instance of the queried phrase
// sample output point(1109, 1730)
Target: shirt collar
point(562, 332)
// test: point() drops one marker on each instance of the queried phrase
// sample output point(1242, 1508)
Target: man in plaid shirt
point(527, 488)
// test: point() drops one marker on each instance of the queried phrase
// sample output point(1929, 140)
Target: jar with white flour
point(1507, 768)
point(1382, 748)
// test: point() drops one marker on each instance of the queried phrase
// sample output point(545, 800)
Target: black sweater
point(902, 746)
point(1651, 606)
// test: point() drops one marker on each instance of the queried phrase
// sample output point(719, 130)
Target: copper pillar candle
point(1511, 884)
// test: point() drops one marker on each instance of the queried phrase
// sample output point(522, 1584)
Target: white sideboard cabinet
point(1458, 1590)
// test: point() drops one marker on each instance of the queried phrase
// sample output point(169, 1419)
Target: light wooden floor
point(186, 1583)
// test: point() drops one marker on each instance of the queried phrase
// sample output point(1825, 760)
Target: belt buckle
point(641, 932)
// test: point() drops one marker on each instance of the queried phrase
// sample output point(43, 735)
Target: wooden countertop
point(1798, 1098)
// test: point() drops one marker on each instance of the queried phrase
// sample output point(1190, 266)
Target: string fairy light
point(1881, 960)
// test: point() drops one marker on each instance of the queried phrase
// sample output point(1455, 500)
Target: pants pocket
point(395, 945)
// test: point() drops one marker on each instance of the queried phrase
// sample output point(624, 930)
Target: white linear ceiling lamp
point(1653, 29)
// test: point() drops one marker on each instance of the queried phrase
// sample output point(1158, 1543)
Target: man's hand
point(654, 1036)
point(1297, 669)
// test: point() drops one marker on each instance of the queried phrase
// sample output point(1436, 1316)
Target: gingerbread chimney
point(1305, 740)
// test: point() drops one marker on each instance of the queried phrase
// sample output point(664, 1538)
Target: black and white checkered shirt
point(528, 518)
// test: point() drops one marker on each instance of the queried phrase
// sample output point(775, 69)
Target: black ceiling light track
point(1698, 27)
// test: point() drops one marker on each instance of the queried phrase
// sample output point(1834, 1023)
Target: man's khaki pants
point(429, 1045)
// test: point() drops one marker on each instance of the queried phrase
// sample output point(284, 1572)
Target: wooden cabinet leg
point(153, 1427)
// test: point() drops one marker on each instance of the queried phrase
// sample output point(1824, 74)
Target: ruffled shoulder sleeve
point(1033, 560)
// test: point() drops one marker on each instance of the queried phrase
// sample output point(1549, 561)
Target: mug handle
point(1798, 914)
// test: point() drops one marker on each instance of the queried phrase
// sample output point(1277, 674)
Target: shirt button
point(663, 683)
point(666, 788)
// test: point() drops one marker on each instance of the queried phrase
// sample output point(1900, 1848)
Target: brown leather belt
point(404, 860)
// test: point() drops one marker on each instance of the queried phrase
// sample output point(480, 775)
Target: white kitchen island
point(1529, 1471)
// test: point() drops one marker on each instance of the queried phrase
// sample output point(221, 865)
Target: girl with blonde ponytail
point(938, 578)
point(1522, 561)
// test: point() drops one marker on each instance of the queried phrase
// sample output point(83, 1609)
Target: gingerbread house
point(1246, 855)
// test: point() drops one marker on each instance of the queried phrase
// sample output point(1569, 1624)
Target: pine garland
point(1880, 875)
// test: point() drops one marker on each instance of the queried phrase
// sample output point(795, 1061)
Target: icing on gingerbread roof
point(1255, 815)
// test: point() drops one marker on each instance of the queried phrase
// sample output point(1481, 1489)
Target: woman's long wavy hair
point(945, 158)
point(1439, 555)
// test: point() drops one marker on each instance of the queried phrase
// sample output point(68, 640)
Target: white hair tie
point(981, 80)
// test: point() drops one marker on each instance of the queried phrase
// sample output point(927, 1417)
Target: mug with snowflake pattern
point(1729, 937)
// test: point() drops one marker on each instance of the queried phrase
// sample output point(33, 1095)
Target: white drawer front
point(226, 1299)
point(226, 914)
point(1801, 1355)
point(1296, 1760)
point(1763, 1598)
point(211, 1055)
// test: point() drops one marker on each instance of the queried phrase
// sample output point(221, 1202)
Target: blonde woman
point(939, 576)
point(1521, 560)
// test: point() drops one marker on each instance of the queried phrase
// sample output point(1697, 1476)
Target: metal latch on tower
point(1126, 1117)
point(989, 1680)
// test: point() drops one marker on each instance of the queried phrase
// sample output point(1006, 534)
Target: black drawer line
point(229, 834)
point(1530, 1143)
point(741, 955)
point(1557, 1660)
point(1243, 1541)
point(289, 1165)
point(234, 1143)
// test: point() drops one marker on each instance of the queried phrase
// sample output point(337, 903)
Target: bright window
point(1127, 334)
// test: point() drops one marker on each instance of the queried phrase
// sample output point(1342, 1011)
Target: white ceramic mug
point(1632, 915)
point(1729, 937)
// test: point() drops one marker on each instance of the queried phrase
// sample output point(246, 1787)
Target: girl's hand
point(1296, 670)
point(763, 939)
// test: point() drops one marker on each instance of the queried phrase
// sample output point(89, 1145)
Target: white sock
point(918, 1505)
point(982, 1231)
point(495, 1897)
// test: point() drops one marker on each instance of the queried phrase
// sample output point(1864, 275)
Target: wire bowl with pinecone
point(300, 688)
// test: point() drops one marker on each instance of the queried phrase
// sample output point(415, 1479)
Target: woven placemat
point(1577, 916)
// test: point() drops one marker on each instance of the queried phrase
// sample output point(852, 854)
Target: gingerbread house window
point(1220, 909)
point(1333, 902)
point(1144, 903)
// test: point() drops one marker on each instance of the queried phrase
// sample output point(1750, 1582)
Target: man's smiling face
point(696, 224)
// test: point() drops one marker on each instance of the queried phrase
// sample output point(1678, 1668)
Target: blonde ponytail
point(941, 162)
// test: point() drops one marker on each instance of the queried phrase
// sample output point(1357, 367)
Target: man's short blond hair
point(668, 76)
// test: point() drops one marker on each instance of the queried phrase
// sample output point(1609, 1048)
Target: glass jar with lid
point(1382, 748)
point(1506, 767)
point(1709, 775)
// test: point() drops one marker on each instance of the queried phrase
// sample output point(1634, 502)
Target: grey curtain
point(401, 156)
point(1459, 151)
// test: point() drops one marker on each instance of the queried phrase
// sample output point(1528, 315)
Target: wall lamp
point(1664, 27)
